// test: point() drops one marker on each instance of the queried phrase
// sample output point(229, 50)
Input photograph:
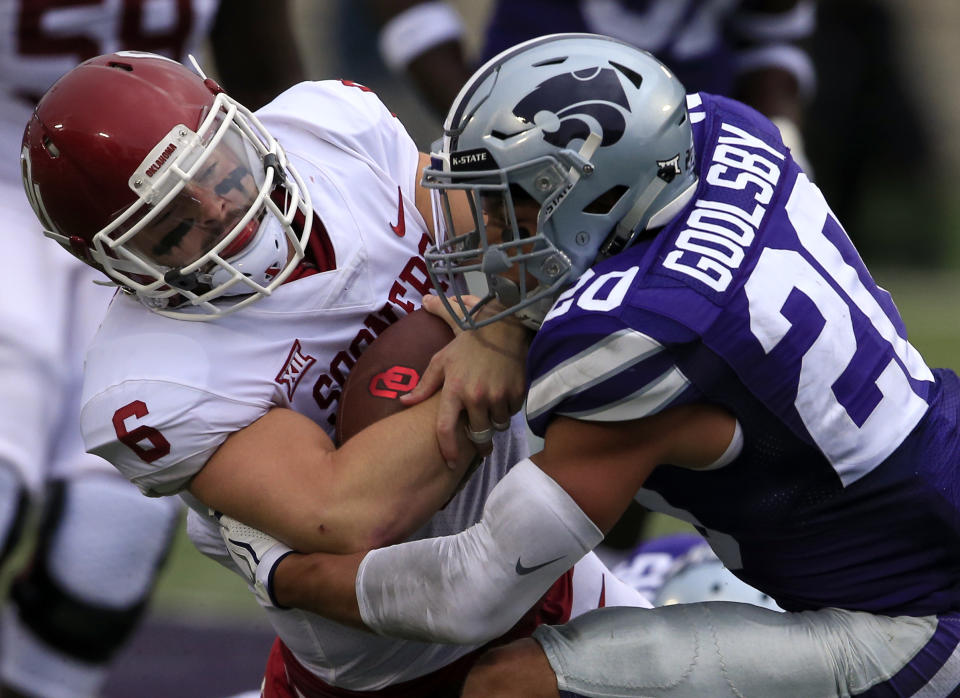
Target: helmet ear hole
point(519, 194)
point(604, 203)
point(51, 147)
point(631, 75)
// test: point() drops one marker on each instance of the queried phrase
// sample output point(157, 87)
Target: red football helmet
point(152, 174)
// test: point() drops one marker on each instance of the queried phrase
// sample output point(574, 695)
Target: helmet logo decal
point(667, 170)
point(164, 156)
point(471, 160)
point(582, 102)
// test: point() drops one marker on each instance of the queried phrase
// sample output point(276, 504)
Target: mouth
point(240, 242)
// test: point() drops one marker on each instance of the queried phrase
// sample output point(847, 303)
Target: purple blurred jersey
point(705, 42)
point(649, 563)
point(753, 298)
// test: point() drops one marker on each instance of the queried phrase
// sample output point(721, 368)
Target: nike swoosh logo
point(521, 570)
point(401, 227)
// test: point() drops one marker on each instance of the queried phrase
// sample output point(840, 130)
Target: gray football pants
point(717, 649)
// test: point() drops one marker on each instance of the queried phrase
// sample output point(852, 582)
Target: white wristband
point(263, 586)
point(788, 57)
point(473, 586)
point(734, 449)
point(417, 29)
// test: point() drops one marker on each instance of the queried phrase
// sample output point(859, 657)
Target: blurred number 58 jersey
point(43, 39)
point(845, 492)
point(40, 40)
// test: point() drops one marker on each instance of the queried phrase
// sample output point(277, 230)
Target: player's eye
point(205, 174)
point(232, 181)
point(173, 238)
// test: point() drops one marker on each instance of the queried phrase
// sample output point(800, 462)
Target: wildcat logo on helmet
point(577, 104)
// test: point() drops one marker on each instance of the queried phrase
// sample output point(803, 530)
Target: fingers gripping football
point(482, 373)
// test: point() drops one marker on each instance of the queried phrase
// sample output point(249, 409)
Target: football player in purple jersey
point(710, 344)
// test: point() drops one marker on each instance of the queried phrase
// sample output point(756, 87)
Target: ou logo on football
point(393, 381)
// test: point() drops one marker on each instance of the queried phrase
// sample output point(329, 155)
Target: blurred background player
point(99, 544)
point(872, 80)
point(682, 568)
point(752, 50)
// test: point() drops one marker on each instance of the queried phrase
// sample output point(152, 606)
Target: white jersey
point(161, 395)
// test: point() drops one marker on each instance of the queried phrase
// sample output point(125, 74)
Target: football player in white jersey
point(99, 543)
point(258, 255)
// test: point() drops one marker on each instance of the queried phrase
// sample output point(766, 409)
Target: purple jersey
point(705, 42)
point(754, 298)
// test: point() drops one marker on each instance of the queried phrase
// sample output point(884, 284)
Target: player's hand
point(255, 553)
point(482, 373)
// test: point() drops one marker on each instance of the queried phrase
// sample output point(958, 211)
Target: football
point(390, 367)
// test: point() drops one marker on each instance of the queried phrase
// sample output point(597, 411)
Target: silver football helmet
point(594, 131)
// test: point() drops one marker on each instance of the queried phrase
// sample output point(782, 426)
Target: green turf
point(928, 302)
point(194, 585)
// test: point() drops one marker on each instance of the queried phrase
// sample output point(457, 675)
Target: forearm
point(424, 39)
point(282, 475)
point(465, 588)
point(390, 478)
point(320, 583)
point(242, 24)
point(773, 92)
point(775, 73)
point(473, 586)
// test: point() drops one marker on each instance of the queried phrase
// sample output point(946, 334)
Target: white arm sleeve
point(473, 586)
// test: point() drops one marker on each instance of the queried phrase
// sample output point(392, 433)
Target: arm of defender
point(776, 75)
point(538, 521)
point(482, 372)
point(241, 25)
point(424, 39)
point(282, 475)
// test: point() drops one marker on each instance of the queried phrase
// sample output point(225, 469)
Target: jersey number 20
point(854, 444)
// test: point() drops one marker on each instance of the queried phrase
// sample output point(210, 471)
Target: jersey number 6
point(135, 438)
